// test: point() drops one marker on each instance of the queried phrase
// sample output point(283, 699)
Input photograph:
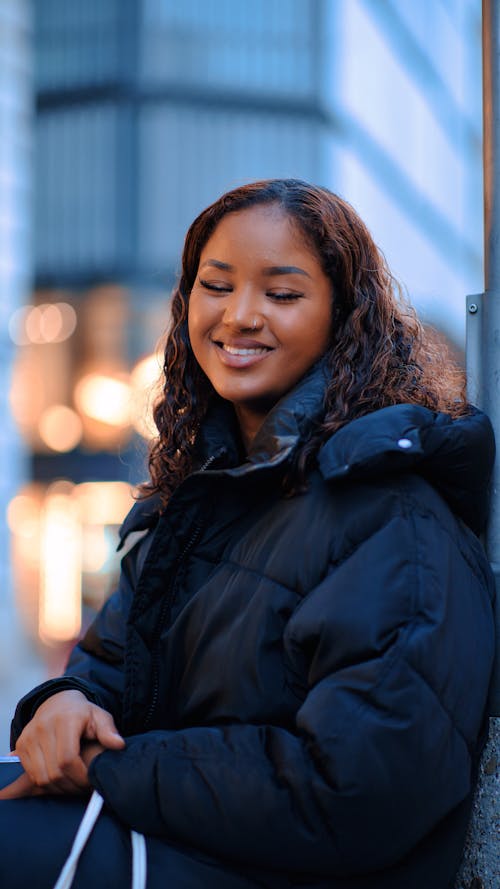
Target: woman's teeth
point(234, 350)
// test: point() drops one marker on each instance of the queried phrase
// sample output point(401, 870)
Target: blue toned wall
point(402, 83)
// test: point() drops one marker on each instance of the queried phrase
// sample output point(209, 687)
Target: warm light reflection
point(17, 326)
point(63, 543)
point(26, 394)
point(145, 381)
point(33, 325)
point(104, 398)
point(46, 323)
point(60, 428)
point(23, 519)
point(103, 503)
point(96, 549)
point(60, 569)
point(23, 516)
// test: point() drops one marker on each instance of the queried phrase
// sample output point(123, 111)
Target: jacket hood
point(455, 455)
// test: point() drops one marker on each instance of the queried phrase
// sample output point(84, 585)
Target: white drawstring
point(85, 829)
point(139, 860)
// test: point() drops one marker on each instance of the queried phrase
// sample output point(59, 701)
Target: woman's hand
point(58, 744)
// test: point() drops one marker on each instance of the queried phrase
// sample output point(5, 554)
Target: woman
point(289, 686)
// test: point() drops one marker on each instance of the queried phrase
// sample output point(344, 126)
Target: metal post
point(480, 867)
point(489, 320)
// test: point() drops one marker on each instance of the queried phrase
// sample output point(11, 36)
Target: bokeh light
point(96, 550)
point(23, 516)
point(60, 428)
point(61, 568)
point(46, 323)
point(104, 398)
point(145, 381)
point(103, 503)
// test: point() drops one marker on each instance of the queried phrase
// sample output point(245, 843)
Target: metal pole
point(480, 864)
point(484, 322)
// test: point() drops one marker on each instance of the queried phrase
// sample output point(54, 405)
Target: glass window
point(75, 189)
point(75, 43)
point(266, 45)
point(188, 157)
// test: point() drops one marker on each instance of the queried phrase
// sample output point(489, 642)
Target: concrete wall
point(481, 865)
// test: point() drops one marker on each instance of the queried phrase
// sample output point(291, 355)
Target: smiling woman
point(289, 685)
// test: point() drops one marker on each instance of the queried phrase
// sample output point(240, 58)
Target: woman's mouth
point(240, 356)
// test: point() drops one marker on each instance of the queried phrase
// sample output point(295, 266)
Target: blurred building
point(405, 85)
point(146, 110)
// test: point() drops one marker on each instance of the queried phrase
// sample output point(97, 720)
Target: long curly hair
point(379, 353)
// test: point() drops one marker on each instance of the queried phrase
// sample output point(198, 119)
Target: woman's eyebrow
point(270, 271)
point(285, 270)
point(216, 263)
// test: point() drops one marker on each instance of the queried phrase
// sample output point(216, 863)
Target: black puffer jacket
point(303, 680)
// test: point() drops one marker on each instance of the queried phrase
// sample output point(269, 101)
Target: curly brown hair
point(379, 353)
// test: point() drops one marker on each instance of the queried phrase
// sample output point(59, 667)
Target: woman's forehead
point(265, 229)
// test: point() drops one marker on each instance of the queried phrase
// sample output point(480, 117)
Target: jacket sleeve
point(95, 666)
point(394, 651)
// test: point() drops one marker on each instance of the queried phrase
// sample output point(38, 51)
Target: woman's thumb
point(106, 732)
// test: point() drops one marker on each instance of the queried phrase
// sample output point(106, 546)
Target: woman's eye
point(215, 288)
point(284, 296)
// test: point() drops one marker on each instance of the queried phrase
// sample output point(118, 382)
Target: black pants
point(36, 835)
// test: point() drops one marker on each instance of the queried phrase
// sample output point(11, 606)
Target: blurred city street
point(117, 127)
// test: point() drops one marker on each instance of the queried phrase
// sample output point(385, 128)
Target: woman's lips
point(241, 355)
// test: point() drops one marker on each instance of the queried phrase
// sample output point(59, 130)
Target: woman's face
point(259, 311)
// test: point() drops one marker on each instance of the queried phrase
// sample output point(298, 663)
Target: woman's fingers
point(50, 745)
point(22, 786)
point(37, 748)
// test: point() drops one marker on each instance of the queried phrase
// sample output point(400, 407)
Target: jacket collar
point(219, 447)
point(287, 424)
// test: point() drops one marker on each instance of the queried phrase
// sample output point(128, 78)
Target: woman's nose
point(242, 311)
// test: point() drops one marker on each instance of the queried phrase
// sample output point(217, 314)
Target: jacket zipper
point(166, 607)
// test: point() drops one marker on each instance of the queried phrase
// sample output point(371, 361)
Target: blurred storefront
point(84, 412)
point(145, 111)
